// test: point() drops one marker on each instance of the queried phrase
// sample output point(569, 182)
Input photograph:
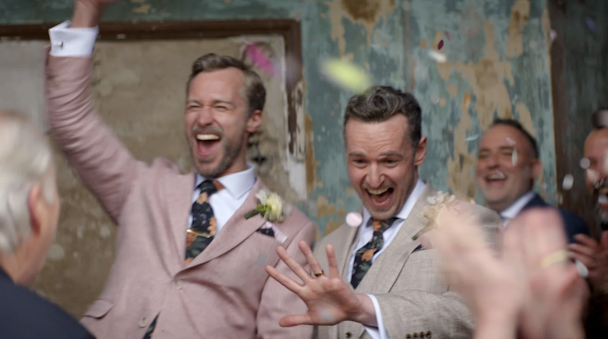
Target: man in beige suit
point(189, 264)
point(382, 281)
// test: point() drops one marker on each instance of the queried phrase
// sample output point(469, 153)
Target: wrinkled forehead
point(392, 134)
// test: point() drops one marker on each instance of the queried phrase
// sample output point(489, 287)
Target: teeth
point(497, 176)
point(206, 137)
point(377, 192)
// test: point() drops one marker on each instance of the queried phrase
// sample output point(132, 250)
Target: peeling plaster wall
point(498, 66)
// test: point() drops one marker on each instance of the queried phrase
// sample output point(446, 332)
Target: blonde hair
point(25, 160)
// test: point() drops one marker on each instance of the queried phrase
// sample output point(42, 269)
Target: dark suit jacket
point(572, 223)
point(25, 315)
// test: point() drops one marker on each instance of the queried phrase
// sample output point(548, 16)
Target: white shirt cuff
point(377, 332)
point(72, 42)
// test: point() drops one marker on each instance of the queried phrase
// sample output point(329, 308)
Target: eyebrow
point(356, 154)
point(217, 101)
point(391, 154)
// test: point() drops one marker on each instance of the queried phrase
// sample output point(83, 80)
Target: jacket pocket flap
point(99, 308)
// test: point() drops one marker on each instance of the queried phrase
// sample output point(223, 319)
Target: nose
point(205, 116)
point(491, 161)
point(374, 177)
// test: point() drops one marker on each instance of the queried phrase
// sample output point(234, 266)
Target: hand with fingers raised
point(594, 256)
point(329, 299)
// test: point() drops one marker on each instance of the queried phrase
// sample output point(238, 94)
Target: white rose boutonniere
point(437, 202)
point(270, 206)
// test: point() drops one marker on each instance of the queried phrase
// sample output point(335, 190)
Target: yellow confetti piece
point(346, 74)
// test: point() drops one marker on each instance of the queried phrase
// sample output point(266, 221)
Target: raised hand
point(328, 298)
point(87, 12)
point(594, 256)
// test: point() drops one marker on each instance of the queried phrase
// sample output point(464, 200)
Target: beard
point(231, 152)
point(601, 213)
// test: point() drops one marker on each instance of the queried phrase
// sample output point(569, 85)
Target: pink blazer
point(224, 293)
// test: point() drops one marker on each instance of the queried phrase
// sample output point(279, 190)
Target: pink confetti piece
point(440, 45)
point(553, 35)
point(590, 24)
point(448, 35)
point(259, 58)
point(510, 141)
point(354, 219)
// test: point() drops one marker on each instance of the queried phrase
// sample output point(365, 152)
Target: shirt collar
point(512, 211)
point(237, 184)
point(407, 207)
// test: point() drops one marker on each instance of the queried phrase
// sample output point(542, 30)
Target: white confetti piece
point(568, 182)
point(553, 35)
point(472, 137)
point(354, 219)
point(585, 163)
point(441, 58)
point(514, 158)
point(582, 269)
point(510, 141)
point(602, 199)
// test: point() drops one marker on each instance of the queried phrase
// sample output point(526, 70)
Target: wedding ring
point(554, 258)
point(318, 274)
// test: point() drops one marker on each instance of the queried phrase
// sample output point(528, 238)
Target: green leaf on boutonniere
point(259, 209)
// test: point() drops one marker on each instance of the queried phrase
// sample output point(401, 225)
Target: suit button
point(415, 335)
point(177, 284)
point(409, 336)
point(348, 334)
point(142, 322)
point(429, 335)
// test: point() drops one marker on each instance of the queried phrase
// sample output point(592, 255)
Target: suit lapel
point(351, 238)
point(236, 230)
point(387, 267)
point(178, 194)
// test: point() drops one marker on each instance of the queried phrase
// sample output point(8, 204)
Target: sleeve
point(379, 332)
point(103, 163)
point(72, 42)
point(277, 301)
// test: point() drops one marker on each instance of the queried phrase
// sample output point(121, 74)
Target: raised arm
point(100, 159)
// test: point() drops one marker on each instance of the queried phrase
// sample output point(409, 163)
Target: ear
point(254, 122)
point(537, 168)
point(420, 152)
point(35, 208)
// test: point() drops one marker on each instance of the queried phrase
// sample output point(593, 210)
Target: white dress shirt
point(513, 210)
point(79, 42)
point(227, 201)
point(366, 233)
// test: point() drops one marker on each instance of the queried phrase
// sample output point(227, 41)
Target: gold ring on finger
point(318, 274)
point(554, 258)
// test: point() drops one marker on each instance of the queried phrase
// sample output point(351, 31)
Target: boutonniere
point(271, 207)
point(439, 201)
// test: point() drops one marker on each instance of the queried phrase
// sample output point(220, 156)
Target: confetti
point(440, 45)
point(582, 269)
point(590, 24)
point(585, 163)
point(472, 137)
point(441, 58)
point(259, 58)
point(553, 35)
point(448, 35)
point(510, 141)
point(602, 118)
point(346, 75)
point(567, 182)
point(354, 219)
point(602, 199)
point(514, 158)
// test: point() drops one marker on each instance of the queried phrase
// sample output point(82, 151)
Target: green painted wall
point(498, 66)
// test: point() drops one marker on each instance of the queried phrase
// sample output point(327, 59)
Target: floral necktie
point(363, 256)
point(200, 233)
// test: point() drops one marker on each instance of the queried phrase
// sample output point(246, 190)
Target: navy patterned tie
point(363, 256)
point(200, 233)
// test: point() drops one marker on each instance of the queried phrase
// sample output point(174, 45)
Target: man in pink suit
point(189, 264)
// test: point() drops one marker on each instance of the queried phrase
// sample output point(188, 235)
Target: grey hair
point(25, 160)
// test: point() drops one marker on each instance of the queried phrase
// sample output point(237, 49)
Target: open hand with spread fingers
point(329, 299)
point(594, 256)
